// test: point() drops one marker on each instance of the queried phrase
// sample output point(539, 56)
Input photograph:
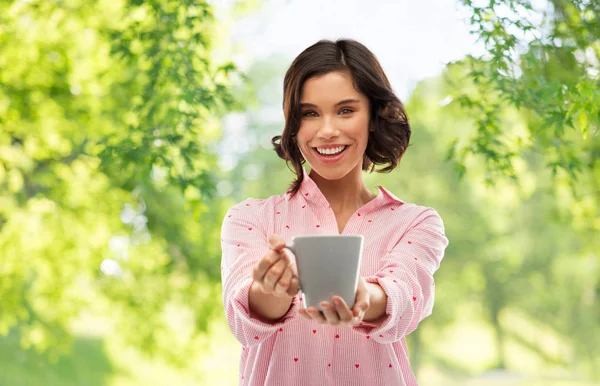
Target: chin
point(332, 173)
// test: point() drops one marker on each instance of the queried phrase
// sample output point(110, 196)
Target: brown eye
point(345, 111)
point(309, 113)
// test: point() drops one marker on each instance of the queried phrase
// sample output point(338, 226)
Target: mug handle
point(291, 248)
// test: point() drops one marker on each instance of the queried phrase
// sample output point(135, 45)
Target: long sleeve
point(244, 240)
point(406, 276)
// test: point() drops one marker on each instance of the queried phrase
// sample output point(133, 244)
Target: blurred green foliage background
point(114, 119)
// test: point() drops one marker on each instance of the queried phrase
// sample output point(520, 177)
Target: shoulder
point(418, 211)
point(425, 221)
point(251, 207)
point(407, 210)
point(250, 215)
point(409, 215)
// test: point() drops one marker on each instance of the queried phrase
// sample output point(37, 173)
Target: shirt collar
point(389, 195)
point(311, 192)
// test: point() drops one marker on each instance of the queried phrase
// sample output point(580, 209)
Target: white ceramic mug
point(328, 265)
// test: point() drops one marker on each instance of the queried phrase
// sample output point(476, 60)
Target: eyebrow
point(344, 102)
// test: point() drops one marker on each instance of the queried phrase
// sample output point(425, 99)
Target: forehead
point(329, 88)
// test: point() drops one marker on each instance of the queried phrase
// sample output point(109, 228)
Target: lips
point(328, 159)
point(337, 148)
point(330, 148)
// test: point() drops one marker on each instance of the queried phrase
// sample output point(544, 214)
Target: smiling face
point(334, 125)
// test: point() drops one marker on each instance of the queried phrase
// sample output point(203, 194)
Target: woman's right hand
point(275, 273)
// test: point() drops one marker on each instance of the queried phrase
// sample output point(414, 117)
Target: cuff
point(393, 309)
point(254, 328)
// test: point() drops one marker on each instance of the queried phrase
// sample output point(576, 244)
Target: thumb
point(362, 299)
point(360, 308)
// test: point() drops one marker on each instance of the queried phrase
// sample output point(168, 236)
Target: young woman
point(341, 118)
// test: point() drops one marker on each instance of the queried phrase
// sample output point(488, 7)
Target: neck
point(346, 194)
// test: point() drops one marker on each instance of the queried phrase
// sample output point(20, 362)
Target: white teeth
point(334, 150)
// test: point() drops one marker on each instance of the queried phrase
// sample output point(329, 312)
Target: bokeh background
point(129, 127)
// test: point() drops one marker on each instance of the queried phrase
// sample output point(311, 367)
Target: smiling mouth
point(331, 155)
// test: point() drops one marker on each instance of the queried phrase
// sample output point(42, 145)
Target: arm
point(406, 276)
point(377, 303)
point(267, 307)
point(244, 242)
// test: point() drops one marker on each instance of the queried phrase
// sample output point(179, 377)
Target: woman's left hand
point(336, 313)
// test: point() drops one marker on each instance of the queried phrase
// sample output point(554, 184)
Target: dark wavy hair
point(390, 132)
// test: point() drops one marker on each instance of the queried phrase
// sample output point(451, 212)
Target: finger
point(284, 282)
point(302, 313)
point(273, 274)
point(263, 265)
point(276, 243)
point(342, 309)
point(316, 315)
point(290, 258)
point(330, 313)
point(294, 286)
point(289, 255)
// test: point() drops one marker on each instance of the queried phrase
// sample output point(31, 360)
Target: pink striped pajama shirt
point(403, 246)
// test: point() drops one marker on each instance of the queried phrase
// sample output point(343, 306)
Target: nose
point(328, 130)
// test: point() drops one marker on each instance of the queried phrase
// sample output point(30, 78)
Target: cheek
point(306, 132)
point(303, 136)
point(359, 130)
